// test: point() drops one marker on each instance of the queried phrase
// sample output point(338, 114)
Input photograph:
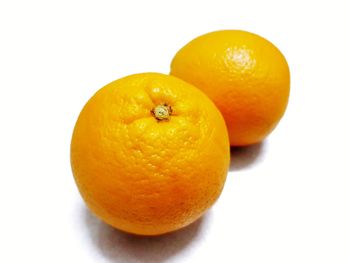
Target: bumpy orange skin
point(142, 175)
point(244, 74)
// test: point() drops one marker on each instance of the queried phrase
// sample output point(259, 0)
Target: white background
point(286, 200)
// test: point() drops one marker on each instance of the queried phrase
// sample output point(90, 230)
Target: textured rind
point(244, 74)
point(145, 176)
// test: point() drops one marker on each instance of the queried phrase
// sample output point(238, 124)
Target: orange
point(150, 153)
point(244, 74)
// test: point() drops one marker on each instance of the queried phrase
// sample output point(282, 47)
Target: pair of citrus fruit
point(150, 152)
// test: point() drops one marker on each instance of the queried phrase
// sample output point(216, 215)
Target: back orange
point(150, 153)
point(244, 74)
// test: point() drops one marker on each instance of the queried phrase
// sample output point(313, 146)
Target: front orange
point(149, 153)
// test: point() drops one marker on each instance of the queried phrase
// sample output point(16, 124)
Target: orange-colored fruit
point(150, 153)
point(244, 74)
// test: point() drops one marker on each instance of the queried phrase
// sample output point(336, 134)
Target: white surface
point(287, 200)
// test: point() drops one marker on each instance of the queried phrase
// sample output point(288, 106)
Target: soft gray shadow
point(244, 157)
point(118, 246)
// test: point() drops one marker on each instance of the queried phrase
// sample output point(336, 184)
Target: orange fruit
point(150, 153)
point(244, 74)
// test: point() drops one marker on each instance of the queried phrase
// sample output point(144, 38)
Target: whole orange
point(244, 74)
point(150, 153)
